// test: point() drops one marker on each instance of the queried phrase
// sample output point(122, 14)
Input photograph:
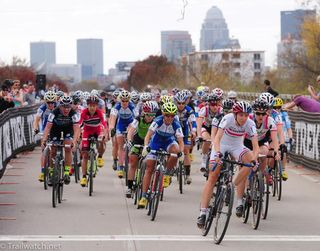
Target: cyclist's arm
point(46, 132)
point(148, 137)
point(36, 122)
point(199, 125)
point(76, 133)
point(255, 147)
point(280, 133)
point(131, 132)
point(289, 130)
point(214, 131)
point(274, 141)
point(181, 144)
point(217, 140)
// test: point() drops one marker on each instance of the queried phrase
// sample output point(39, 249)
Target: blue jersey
point(43, 112)
point(124, 115)
point(165, 133)
point(187, 118)
point(286, 121)
point(276, 116)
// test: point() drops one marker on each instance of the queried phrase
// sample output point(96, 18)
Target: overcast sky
point(131, 29)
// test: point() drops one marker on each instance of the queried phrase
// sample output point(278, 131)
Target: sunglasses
point(150, 114)
point(181, 103)
point(51, 103)
point(213, 103)
point(169, 115)
point(260, 113)
point(125, 101)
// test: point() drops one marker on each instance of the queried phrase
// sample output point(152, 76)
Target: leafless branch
point(183, 11)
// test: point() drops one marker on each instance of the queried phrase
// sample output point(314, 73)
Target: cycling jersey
point(286, 124)
point(208, 116)
point(124, 116)
point(164, 135)
point(93, 125)
point(216, 120)
point(276, 116)
point(141, 128)
point(43, 112)
point(61, 123)
point(187, 117)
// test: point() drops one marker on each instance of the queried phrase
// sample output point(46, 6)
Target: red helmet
point(149, 107)
point(242, 106)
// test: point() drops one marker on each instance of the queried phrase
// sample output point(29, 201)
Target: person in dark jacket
point(5, 99)
point(269, 89)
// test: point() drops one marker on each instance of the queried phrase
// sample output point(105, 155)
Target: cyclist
point(232, 95)
point(229, 138)
point(137, 131)
point(189, 128)
point(278, 103)
point(277, 117)
point(42, 114)
point(162, 134)
point(63, 119)
point(94, 124)
point(121, 116)
point(204, 121)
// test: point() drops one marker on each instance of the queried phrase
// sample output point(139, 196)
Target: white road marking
point(191, 238)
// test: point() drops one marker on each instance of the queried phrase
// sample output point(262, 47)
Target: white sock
point(203, 211)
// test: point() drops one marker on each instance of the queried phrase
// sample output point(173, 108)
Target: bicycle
point(126, 160)
point(46, 167)
point(57, 177)
point(223, 202)
point(92, 161)
point(181, 175)
point(156, 186)
point(253, 197)
point(76, 163)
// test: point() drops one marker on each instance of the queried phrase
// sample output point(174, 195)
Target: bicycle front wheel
point(126, 164)
point(180, 176)
point(224, 211)
point(279, 180)
point(256, 195)
point(157, 188)
point(91, 170)
point(55, 181)
point(265, 201)
point(46, 168)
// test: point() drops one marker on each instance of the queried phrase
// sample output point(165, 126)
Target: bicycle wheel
point(126, 164)
point(61, 182)
point(256, 195)
point(76, 166)
point(46, 168)
point(180, 176)
point(207, 225)
point(265, 201)
point(279, 181)
point(246, 207)
point(140, 183)
point(157, 188)
point(275, 178)
point(91, 172)
point(224, 211)
point(55, 181)
point(207, 165)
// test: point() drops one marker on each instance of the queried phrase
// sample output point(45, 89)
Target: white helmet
point(232, 94)
point(268, 97)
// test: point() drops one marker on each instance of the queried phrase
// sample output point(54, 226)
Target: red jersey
point(92, 122)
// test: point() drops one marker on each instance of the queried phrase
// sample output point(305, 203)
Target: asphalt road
point(109, 221)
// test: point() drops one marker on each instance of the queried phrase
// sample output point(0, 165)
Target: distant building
point(69, 73)
point(42, 54)
point(291, 22)
point(242, 65)
point(90, 57)
point(215, 32)
point(121, 72)
point(175, 44)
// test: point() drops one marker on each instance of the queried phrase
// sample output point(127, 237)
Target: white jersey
point(233, 133)
point(268, 124)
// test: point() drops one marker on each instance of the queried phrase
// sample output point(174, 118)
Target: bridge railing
point(16, 133)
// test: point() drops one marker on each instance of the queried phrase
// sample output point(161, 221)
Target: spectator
point(5, 99)
point(269, 89)
point(30, 96)
point(312, 91)
point(305, 103)
point(17, 93)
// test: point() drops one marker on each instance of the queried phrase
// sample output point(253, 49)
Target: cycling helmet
point(201, 87)
point(135, 97)
point(205, 97)
point(218, 92)
point(50, 96)
point(115, 94)
point(65, 100)
point(278, 102)
point(180, 97)
point(92, 99)
point(95, 92)
point(206, 89)
point(79, 94)
point(60, 94)
point(199, 93)
point(86, 95)
point(166, 99)
point(232, 94)
point(124, 95)
point(241, 106)
point(76, 98)
point(145, 97)
point(260, 105)
point(169, 107)
point(164, 92)
point(227, 104)
point(175, 90)
point(150, 107)
point(269, 98)
point(213, 98)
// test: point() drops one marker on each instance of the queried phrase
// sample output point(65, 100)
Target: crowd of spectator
point(14, 94)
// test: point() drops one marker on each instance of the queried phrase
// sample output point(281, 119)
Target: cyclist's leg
point(68, 159)
point(120, 140)
point(42, 163)
point(133, 160)
point(172, 147)
point(84, 162)
point(187, 160)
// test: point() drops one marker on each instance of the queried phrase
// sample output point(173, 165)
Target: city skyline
point(126, 28)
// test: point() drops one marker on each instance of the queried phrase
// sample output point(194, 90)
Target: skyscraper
point(175, 44)
point(42, 54)
point(90, 56)
point(291, 22)
point(215, 32)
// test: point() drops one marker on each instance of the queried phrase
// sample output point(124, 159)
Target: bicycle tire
point(275, 179)
point(55, 181)
point(224, 200)
point(76, 167)
point(46, 168)
point(246, 208)
point(157, 193)
point(61, 182)
point(180, 176)
point(139, 187)
point(92, 159)
point(126, 164)
point(207, 165)
point(257, 194)
point(279, 191)
point(265, 201)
